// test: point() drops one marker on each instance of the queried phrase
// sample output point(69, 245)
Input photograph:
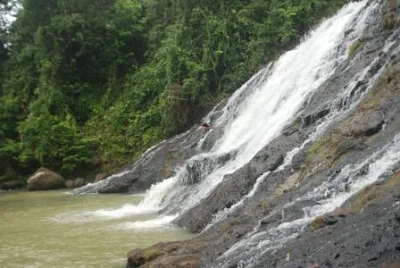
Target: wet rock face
point(366, 239)
point(235, 186)
point(118, 185)
point(197, 169)
point(157, 164)
point(366, 123)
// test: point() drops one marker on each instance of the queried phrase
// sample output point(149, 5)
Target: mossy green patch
point(317, 223)
point(356, 47)
point(391, 18)
point(151, 254)
point(320, 154)
point(323, 221)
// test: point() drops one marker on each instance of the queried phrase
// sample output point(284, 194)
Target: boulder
point(69, 184)
point(45, 179)
point(169, 254)
point(79, 182)
point(364, 123)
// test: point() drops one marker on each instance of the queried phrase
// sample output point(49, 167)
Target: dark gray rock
point(155, 165)
point(312, 118)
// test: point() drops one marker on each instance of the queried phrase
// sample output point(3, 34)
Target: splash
point(159, 223)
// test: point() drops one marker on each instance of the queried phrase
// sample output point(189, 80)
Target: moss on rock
point(356, 47)
point(391, 18)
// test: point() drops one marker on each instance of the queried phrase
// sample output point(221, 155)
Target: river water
point(55, 229)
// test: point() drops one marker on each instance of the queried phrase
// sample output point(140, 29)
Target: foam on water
point(159, 223)
point(106, 214)
point(125, 211)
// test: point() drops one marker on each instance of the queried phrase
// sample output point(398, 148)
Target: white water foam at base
point(159, 223)
point(126, 211)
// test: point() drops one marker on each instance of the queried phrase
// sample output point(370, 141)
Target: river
point(56, 229)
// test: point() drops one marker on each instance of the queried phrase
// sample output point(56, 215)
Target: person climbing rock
point(205, 127)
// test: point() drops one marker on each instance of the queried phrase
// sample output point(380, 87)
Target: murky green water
point(54, 229)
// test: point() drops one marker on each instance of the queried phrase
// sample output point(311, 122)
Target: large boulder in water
point(45, 179)
point(79, 182)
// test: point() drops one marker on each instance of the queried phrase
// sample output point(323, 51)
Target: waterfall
point(261, 108)
point(258, 112)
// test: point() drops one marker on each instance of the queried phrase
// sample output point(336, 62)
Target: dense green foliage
point(98, 81)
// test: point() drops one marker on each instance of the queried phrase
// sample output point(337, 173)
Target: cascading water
point(260, 109)
point(328, 196)
point(258, 112)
